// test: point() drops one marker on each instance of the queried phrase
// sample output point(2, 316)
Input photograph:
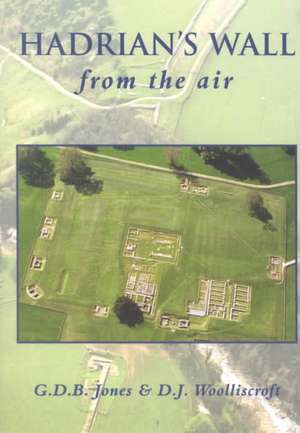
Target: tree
point(290, 150)
point(120, 125)
point(7, 206)
point(89, 148)
point(73, 170)
point(215, 153)
point(257, 209)
point(173, 154)
point(36, 168)
point(128, 311)
point(255, 201)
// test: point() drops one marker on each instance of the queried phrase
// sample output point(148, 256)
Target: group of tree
point(120, 125)
point(223, 415)
point(7, 206)
point(38, 170)
point(269, 362)
point(53, 124)
point(214, 153)
point(73, 170)
point(258, 210)
point(235, 161)
point(36, 167)
point(59, 16)
point(290, 150)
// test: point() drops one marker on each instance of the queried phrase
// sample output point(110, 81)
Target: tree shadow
point(239, 165)
point(197, 150)
point(124, 147)
point(89, 148)
point(178, 168)
point(90, 186)
point(290, 150)
point(269, 227)
point(261, 213)
point(42, 180)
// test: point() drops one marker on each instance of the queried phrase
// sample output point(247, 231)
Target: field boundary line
point(190, 173)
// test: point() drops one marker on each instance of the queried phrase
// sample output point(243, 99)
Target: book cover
point(148, 216)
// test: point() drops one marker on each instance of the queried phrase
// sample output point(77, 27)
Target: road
point(94, 405)
point(206, 17)
point(190, 173)
point(54, 83)
point(287, 264)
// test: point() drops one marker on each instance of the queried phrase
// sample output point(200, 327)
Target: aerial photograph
point(156, 244)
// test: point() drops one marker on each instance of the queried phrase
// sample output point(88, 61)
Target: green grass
point(27, 108)
point(31, 199)
point(276, 163)
point(27, 101)
point(259, 107)
point(85, 265)
point(290, 304)
point(152, 369)
point(163, 18)
point(23, 367)
point(30, 318)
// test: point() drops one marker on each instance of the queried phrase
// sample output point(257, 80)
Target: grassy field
point(85, 265)
point(23, 367)
point(27, 101)
point(244, 114)
point(153, 369)
point(163, 18)
point(277, 165)
point(31, 317)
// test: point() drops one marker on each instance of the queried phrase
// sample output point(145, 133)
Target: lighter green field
point(153, 369)
point(275, 163)
point(261, 106)
point(85, 265)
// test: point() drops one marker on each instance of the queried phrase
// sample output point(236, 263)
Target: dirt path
point(134, 103)
point(190, 173)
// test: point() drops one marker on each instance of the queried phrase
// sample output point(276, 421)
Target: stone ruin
point(37, 263)
point(34, 291)
point(275, 268)
point(101, 310)
point(221, 300)
point(48, 228)
point(193, 188)
point(57, 195)
point(173, 322)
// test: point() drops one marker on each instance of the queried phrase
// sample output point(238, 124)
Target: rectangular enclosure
point(142, 250)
